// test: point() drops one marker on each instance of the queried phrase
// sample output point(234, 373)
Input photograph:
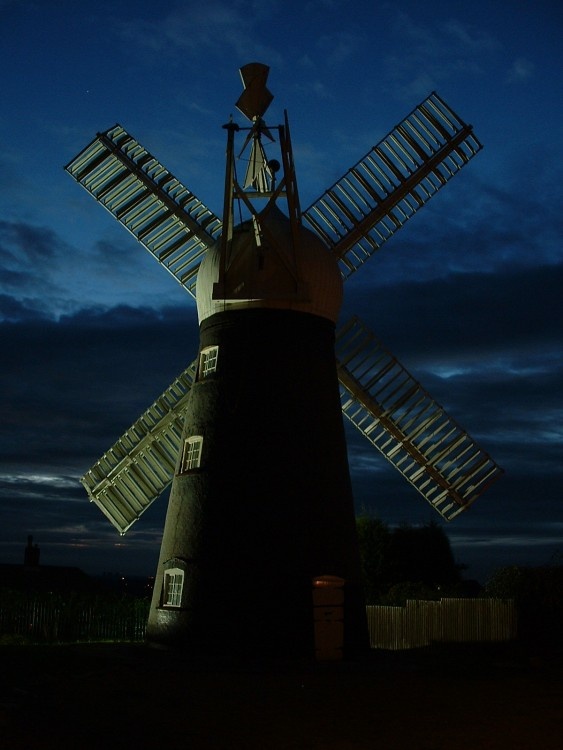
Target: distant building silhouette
point(33, 577)
point(31, 554)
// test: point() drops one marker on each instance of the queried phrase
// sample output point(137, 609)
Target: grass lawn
point(113, 695)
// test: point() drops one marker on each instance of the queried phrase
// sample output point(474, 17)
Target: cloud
point(13, 310)
point(338, 47)
point(521, 71)
point(70, 388)
point(516, 522)
point(72, 531)
point(29, 257)
point(471, 39)
point(211, 28)
point(33, 265)
point(480, 225)
point(42, 275)
point(510, 315)
point(433, 54)
point(488, 348)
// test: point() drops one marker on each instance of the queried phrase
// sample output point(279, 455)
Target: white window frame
point(208, 361)
point(191, 454)
point(173, 587)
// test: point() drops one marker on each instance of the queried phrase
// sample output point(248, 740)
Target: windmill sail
point(392, 410)
point(354, 218)
point(135, 471)
point(166, 218)
point(359, 213)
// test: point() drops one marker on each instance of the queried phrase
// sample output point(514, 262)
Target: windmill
point(251, 433)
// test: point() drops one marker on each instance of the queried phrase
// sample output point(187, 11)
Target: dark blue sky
point(467, 295)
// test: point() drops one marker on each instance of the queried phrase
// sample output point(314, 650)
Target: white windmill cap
point(258, 275)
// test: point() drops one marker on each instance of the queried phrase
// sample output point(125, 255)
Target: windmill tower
point(251, 433)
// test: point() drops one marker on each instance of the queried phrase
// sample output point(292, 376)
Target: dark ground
point(450, 698)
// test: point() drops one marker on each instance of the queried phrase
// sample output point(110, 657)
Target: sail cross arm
point(136, 470)
point(375, 198)
point(152, 204)
point(414, 433)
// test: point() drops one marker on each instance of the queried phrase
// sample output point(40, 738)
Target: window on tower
point(173, 586)
point(207, 361)
point(191, 454)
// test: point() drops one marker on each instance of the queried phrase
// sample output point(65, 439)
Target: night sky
point(468, 294)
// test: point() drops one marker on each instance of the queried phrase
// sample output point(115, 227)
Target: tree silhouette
point(375, 541)
point(422, 554)
point(408, 558)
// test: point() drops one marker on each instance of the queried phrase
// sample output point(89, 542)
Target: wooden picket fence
point(421, 623)
point(54, 620)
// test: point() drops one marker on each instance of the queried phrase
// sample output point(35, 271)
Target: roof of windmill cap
point(269, 284)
